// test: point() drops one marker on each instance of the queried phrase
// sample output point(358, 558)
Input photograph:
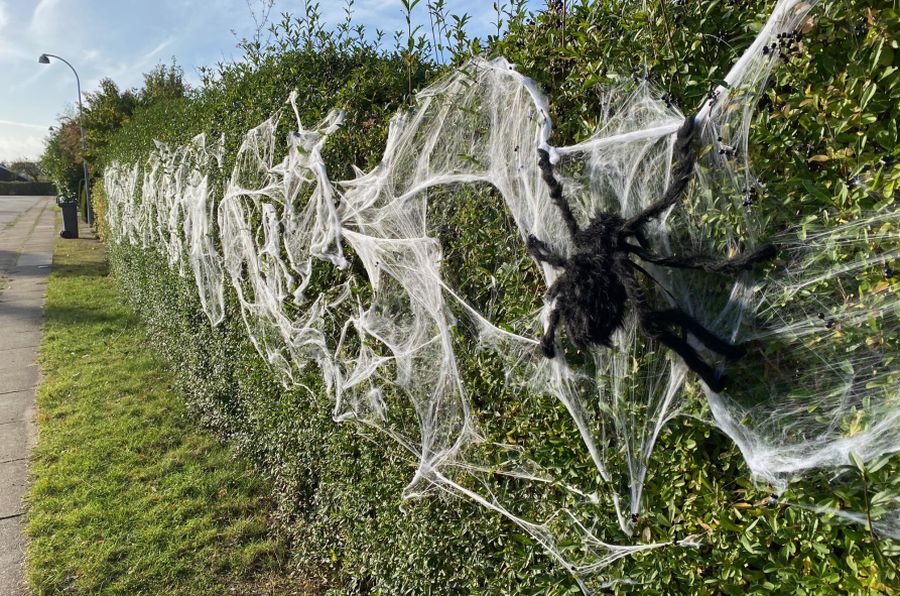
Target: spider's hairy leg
point(686, 155)
point(542, 251)
point(676, 316)
point(651, 325)
point(746, 260)
point(641, 237)
point(735, 264)
point(624, 269)
point(556, 191)
point(713, 379)
point(548, 341)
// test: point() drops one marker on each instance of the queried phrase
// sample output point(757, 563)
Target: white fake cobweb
point(173, 213)
point(822, 335)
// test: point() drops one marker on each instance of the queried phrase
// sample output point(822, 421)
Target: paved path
point(26, 251)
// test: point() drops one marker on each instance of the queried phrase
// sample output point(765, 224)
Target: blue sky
point(122, 39)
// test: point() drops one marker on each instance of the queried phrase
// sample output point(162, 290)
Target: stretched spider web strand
point(885, 522)
point(199, 219)
point(479, 126)
point(826, 332)
point(262, 190)
point(685, 153)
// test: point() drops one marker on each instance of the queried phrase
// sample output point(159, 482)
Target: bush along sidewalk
point(823, 145)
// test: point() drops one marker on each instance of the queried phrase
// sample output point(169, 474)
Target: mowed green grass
point(129, 495)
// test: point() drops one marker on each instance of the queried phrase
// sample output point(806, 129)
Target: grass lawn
point(128, 494)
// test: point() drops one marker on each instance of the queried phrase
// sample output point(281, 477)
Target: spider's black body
point(587, 281)
point(599, 278)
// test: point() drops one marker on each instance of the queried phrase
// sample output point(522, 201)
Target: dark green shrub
point(27, 188)
point(829, 115)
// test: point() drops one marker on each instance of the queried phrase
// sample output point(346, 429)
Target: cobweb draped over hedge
point(818, 386)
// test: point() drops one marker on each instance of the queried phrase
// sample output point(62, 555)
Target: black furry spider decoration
point(599, 278)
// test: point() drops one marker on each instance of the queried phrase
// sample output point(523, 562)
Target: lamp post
point(45, 59)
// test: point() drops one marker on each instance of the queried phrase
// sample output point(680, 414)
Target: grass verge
point(128, 494)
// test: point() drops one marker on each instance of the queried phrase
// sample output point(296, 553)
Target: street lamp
point(45, 59)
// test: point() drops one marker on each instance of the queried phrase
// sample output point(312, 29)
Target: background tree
point(62, 157)
point(161, 84)
point(29, 170)
point(107, 109)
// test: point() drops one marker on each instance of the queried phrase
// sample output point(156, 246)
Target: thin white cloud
point(10, 52)
point(156, 51)
point(139, 65)
point(27, 82)
point(45, 15)
point(22, 124)
point(128, 73)
point(122, 40)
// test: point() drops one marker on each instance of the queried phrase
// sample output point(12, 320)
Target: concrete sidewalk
point(27, 226)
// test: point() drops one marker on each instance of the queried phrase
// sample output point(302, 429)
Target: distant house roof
point(8, 176)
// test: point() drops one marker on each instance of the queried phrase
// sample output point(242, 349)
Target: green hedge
point(829, 115)
point(27, 188)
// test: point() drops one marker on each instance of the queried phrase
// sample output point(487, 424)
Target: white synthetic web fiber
point(260, 221)
point(827, 321)
point(885, 517)
point(173, 213)
point(282, 220)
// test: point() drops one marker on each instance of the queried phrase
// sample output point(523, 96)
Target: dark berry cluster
point(828, 322)
point(556, 5)
point(669, 99)
point(679, 17)
point(727, 150)
point(785, 43)
point(749, 197)
point(885, 161)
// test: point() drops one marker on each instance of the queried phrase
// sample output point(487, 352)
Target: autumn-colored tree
point(62, 157)
point(106, 110)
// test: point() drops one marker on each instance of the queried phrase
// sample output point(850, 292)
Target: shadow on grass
point(82, 292)
point(130, 495)
point(80, 269)
point(70, 314)
point(83, 257)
